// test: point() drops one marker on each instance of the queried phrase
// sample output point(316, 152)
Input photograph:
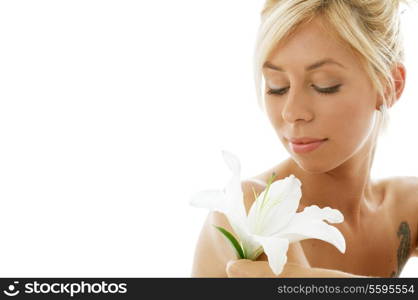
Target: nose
point(296, 108)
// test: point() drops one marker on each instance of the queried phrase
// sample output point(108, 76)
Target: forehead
point(310, 42)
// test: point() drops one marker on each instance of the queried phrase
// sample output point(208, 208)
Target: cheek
point(352, 124)
point(273, 112)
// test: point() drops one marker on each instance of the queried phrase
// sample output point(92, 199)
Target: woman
point(332, 69)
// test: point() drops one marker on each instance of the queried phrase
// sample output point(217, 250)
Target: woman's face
point(298, 105)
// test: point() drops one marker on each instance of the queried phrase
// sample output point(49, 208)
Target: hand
point(249, 268)
point(259, 269)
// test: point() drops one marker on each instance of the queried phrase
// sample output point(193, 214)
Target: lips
point(311, 145)
point(305, 140)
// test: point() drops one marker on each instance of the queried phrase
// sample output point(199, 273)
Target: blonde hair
point(370, 28)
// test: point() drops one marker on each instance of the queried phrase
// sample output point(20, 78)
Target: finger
point(249, 268)
point(236, 267)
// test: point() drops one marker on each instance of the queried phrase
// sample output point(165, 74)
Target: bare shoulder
point(404, 202)
point(211, 253)
point(405, 184)
point(404, 189)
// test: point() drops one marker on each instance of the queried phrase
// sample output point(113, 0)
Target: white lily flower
point(272, 222)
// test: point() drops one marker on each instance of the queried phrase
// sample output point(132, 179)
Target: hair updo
point(370, 28)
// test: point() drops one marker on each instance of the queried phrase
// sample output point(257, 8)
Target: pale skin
point(380, 217)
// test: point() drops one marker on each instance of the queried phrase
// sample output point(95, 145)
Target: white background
point(112, 113)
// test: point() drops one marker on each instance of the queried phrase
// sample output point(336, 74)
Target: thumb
point(248, 268)
point(231, 267)
point(236, 267)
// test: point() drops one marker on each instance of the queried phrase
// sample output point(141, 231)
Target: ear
point(399, 76)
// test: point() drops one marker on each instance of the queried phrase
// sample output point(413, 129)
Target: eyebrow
point(316, 65)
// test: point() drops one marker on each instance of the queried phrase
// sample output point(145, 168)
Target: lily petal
point(230, 202)
point(234, 198)
point(309, 224)
point(235, 206)
point(234, 201)
point(269, 216)
point(232, 161)
point(276, 251)
point(210, 199)
point(250, 245)
point(332, 215)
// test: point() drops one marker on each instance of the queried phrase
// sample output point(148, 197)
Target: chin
point(312, 168)
point(315, 165)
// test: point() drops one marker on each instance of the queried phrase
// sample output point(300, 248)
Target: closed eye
point(327, 91)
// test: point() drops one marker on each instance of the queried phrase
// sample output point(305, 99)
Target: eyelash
point(326, 91)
